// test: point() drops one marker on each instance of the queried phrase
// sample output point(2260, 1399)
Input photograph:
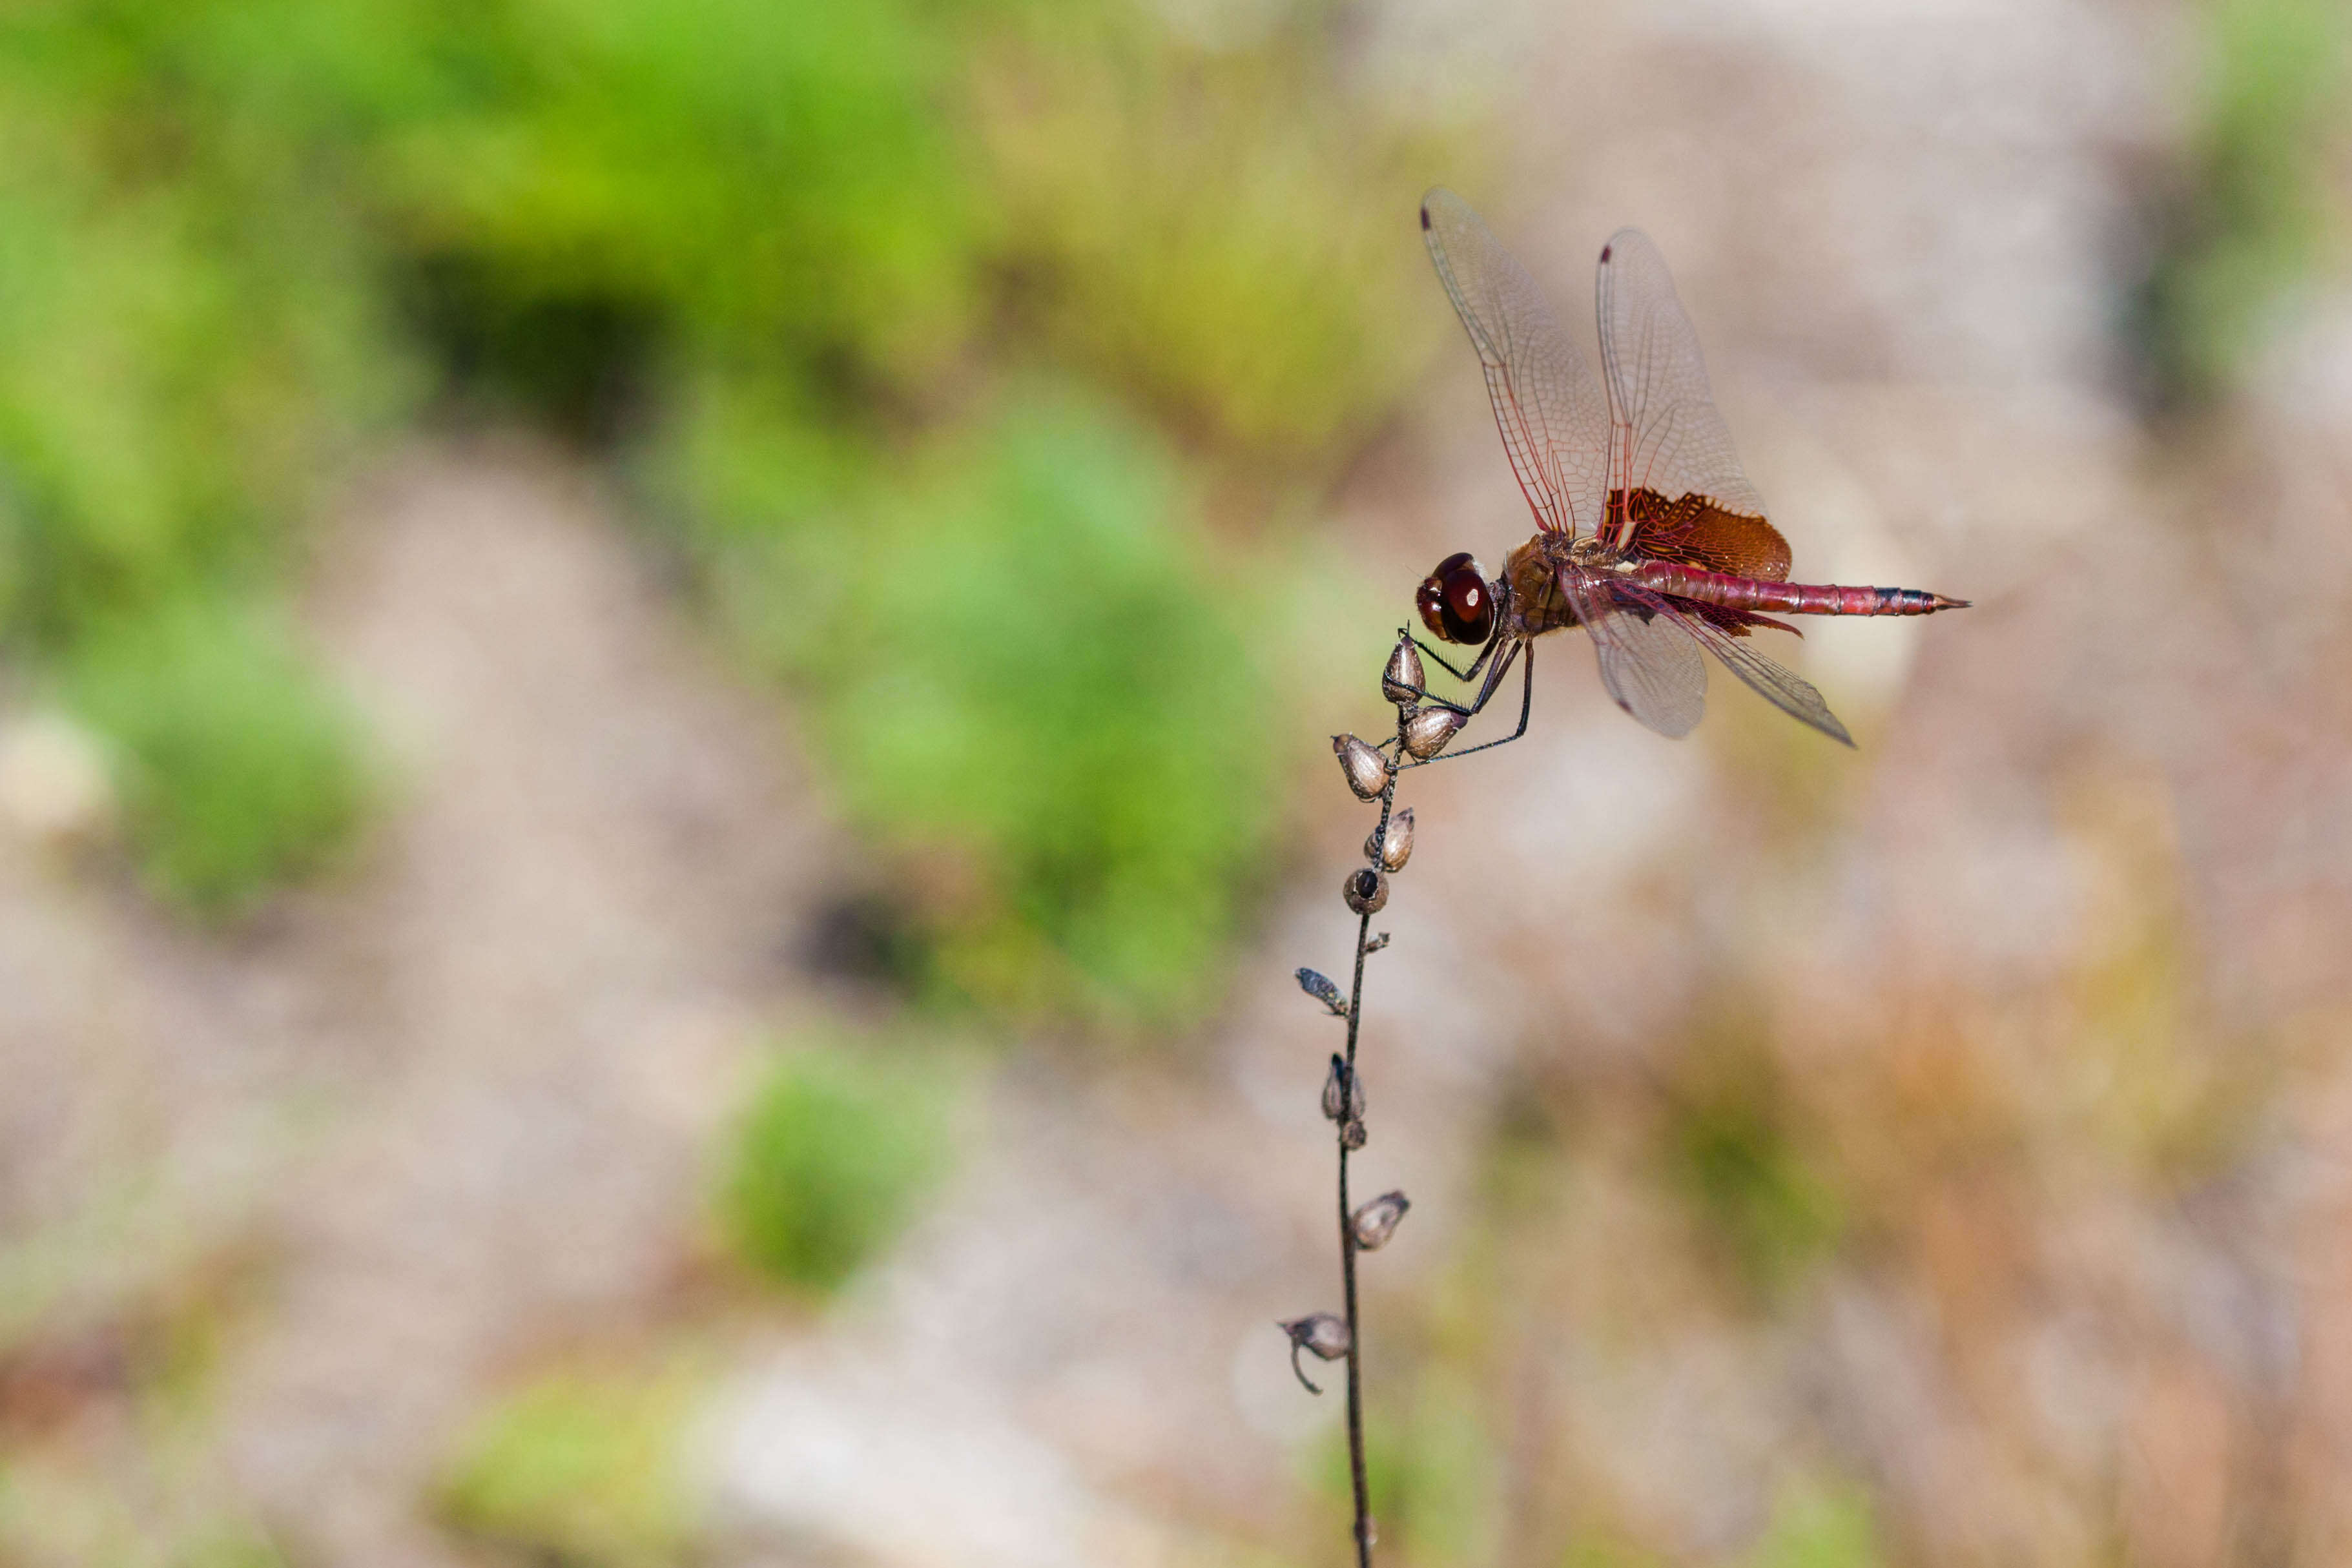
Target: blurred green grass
point(2256, 214)
point(798, 273)
point(240, 765)
point(832, 1156)
point(580, 1467)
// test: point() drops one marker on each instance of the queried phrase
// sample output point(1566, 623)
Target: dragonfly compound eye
point(1470, 604)
point(1454, 602)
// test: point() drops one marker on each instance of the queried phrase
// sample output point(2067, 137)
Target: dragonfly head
point(1456, 602)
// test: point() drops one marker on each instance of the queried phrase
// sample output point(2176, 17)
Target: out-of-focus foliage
point(63, 1500)
point(185, 333)
point(580, 1467)
point(54, 1512)
point(831, 1158)
point(1816, 1524)
point(1731, 1149)
point(2258, 215)
point(239, 763)
point(782, 259)
point(1430, 1471)
point(1211, 223)
point(1043, 699)
point(186, 340)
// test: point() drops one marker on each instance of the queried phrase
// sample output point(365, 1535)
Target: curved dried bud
point(1376, 942)
point(1321, 1335)
point(1365, 890)
point(1373, 1223)
point(1395, 848)
point(1427, 731)
point(1402, 683)
point(1353, 1135)
point(1367, 770)
point(1343, 1092)
point(1321, 987)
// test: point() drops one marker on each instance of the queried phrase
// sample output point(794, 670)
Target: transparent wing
point(1648, 661)
point(1664, 434)
point(1553, 415)
point(1782, 688)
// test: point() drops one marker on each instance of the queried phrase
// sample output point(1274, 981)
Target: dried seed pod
point(1353, 1135)
point(1427, 731)
point(1320, 986)
point(1321, 1335)
point(1343, 1092)
point(1402, 681)
point(1367, 770)
point(1365, 890)
point(1393, 849)
point(1373, 1223)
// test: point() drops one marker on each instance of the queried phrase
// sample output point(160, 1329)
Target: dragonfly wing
point(1553, 415)
point(1784, 689)
point(1665, 434)
point(1648, 661)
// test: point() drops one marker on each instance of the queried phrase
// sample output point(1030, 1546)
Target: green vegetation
point(1606, 1548)
point(2257, 214)
point(239, 763)
point(1043, 702)
point(1431, 1470)
point(836, 1151)
point(1818, 1523)
point(1732, 1150)
point(800, 271)
point(578, 1467)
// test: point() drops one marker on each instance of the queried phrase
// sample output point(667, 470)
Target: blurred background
point(663, 754)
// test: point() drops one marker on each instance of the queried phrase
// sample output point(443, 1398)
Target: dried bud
point(1367, 770)
point(1321, 1335)
point(1402, 681)
point(1365, 889)
point(1321, 987)
point(1428, 729)
point(1343, 1092)
point(1377, 1220)
point(1394, 848)
point(1353, 1135)
point(1375, 942)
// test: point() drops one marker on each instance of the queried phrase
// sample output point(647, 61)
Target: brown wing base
point(1693, 531)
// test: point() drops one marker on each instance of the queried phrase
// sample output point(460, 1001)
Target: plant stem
point(1347, 1229)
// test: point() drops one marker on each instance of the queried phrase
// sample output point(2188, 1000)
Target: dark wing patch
point(1694, 531)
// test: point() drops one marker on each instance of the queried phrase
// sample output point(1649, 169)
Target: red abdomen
point(1762, 594)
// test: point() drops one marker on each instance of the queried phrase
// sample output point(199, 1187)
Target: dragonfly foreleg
point(1495, 678)
point(1464, 675)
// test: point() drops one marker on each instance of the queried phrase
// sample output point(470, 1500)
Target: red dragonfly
point(1647, 533)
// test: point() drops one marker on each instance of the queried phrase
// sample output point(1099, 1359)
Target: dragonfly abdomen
point(1787, 598)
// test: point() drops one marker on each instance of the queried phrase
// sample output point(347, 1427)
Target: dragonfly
point(1647, 533)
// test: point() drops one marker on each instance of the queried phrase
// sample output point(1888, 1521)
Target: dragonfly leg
point(1494, 678)
point(1464, 675)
